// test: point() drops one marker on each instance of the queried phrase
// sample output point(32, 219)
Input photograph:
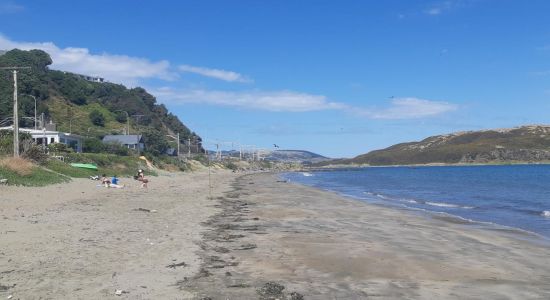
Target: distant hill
point(78, 104)
point(520, 144)
point(295, 156)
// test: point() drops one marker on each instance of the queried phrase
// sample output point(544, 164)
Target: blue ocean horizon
point(515, 196)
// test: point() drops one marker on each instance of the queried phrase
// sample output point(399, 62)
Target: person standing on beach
point(141, 177)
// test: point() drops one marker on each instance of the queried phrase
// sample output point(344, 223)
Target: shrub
point(97, 118)
point(35, 153)
point(93, 145)
point(116, 148)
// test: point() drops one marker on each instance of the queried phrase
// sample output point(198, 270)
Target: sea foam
point(545, 213)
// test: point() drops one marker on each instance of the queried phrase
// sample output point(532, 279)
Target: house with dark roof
point(132, 141)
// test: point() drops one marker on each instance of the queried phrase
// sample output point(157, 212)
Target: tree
point(121, 117)
point(97, 118)
point(155, 142)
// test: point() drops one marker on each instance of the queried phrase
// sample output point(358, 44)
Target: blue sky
point(339, 78)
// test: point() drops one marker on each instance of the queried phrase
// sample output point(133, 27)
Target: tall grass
point(19, 171)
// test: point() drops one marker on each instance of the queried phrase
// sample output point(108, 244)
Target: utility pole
point(127, 120)
point(137, 120)
point(178, 144)
point(15, 109)
point(188, 147)
point(35, 118)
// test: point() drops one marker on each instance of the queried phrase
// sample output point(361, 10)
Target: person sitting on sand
point(114, 183)
point(105, 181)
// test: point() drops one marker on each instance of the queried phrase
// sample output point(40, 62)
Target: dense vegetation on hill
point(522, 144)
point(87, 108)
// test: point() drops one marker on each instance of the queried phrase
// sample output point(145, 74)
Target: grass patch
point(21, 172)
point(17, 165)
point(66, 169)
point(109, 164)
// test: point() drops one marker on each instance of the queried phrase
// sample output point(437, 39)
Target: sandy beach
point(253, 237)
point(79, 241)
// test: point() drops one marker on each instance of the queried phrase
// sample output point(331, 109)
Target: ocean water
point(516, 196)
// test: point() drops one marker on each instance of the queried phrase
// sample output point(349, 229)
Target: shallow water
point(516, 196)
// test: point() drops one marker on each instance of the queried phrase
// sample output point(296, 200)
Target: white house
point(46, 137)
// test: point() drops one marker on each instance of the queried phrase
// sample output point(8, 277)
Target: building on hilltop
point(87, 77)
point(131, 141)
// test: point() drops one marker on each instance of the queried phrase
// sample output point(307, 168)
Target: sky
point(339, 78)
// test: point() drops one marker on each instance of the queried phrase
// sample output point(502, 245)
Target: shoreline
point(447, 217)
point(324, 246)
point(430, 213)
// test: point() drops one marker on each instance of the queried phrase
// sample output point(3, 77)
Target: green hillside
point(87, 108)
point(521, 144)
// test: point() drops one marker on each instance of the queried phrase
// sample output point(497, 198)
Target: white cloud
point(10, 7)
point(116, 68)
point(290, 101)
point(277, 101)
point(215, 73)
point(409, 108)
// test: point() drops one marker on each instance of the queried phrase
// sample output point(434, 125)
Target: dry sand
point(79, 241)
point(255, 236)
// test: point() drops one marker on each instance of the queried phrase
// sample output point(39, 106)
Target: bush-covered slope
point(69, 101)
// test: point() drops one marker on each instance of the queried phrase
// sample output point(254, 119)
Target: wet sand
point(255, 238)
point(324, 246)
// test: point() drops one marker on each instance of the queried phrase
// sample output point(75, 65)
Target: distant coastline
point(352, 166)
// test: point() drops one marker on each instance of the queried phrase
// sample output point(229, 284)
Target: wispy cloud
point(291, 101)
point(541, 73)
point(276, 101)
point(543, 48)
point(440, 7)
point(408, 108)
point(215, 73)
point(116, 68)
point(9, 7)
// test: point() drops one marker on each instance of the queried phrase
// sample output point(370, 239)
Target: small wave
point(545, 213)
point(440, 204)
point(306, 174)
point(449, 205)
